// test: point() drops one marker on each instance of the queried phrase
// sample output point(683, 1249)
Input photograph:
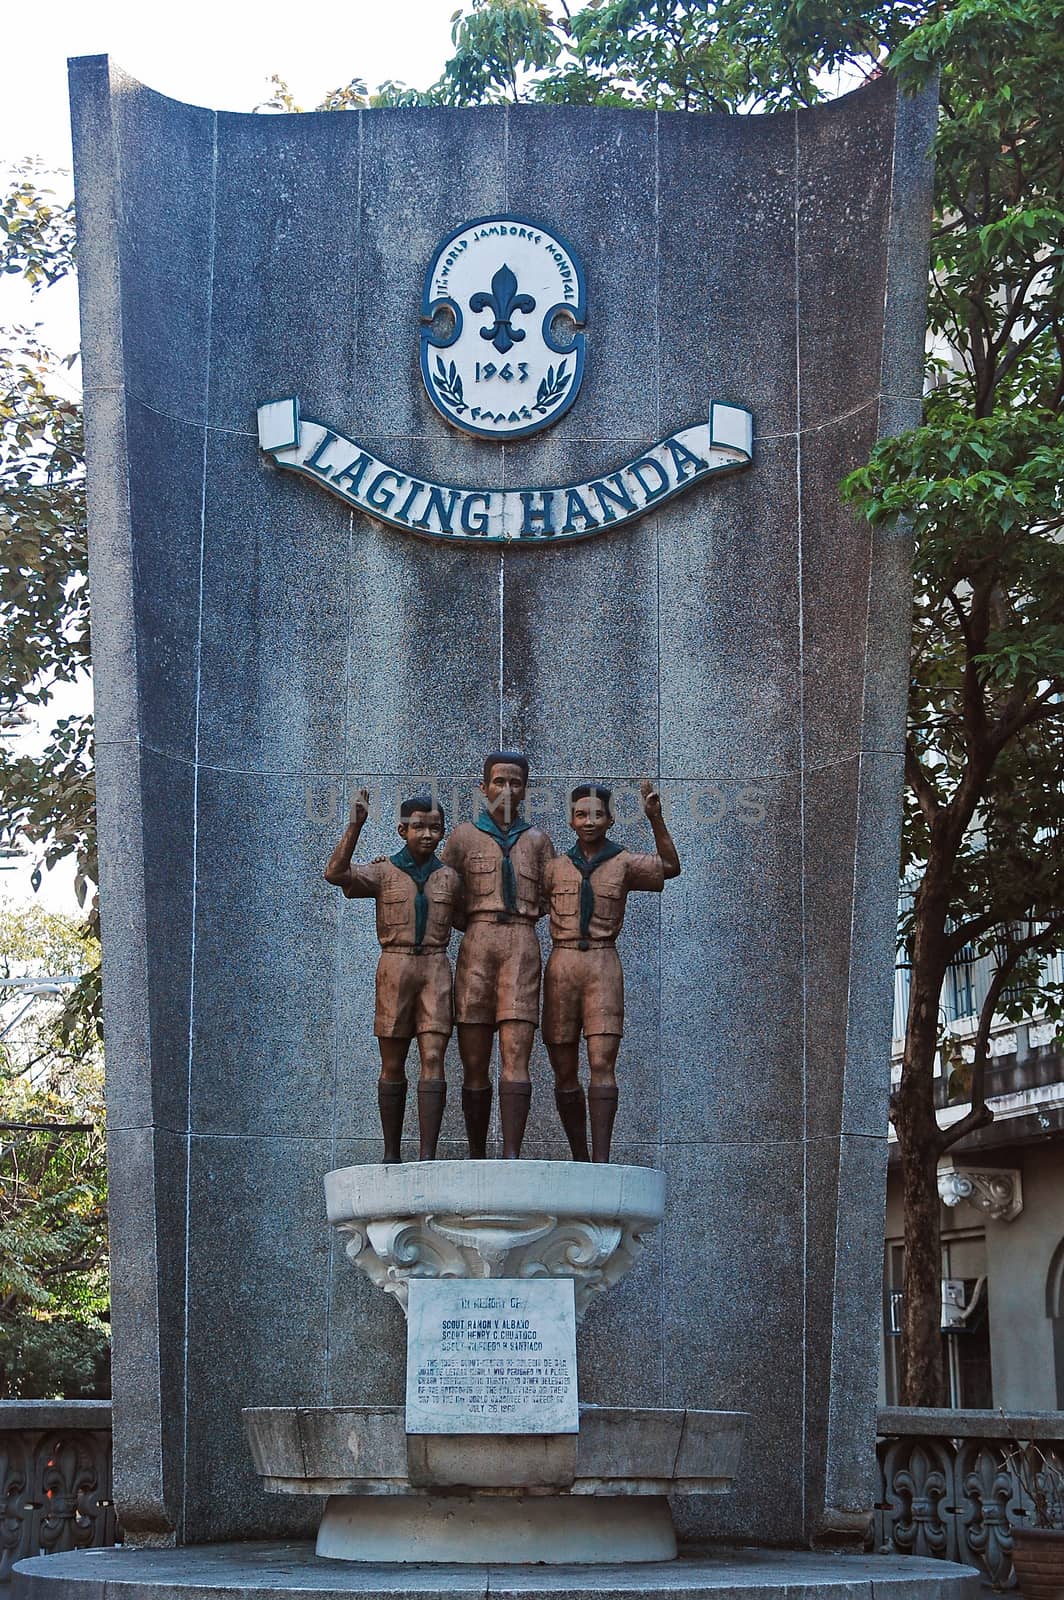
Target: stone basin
point(495, 1219)
point(502, 1497)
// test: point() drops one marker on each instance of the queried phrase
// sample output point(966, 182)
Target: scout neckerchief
point(505, 841)
point(421, 875)
point(585, 869)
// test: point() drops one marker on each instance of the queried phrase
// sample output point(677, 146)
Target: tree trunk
point(919, 1142)
point(923, 1378)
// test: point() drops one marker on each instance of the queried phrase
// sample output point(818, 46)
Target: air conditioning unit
point(957, 1305)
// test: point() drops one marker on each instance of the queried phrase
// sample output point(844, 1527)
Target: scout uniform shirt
point(413, 982)
point(584, 984)
point(479, 859)
point(497, 975)
point(610, 883)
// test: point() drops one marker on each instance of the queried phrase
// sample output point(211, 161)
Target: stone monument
point(490, 1458)
point(413, 433)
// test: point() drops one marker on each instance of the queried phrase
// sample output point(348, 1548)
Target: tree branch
point(981, 1114)
point(927, 796)
point(961, 936)
point(64, 1269)
point(1015, 351)
point(955, 606)
point(1016, 303)
point(978, 1117)
point(1038, 712)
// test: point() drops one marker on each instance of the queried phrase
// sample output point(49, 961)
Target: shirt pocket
point(529, 892)
point(480, 872)
point(565, 899)
point(394, 909)
point(441, 905)
point(609, 909)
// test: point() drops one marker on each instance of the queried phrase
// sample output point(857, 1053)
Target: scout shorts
point(413, 994)
point(583, 990)
point(496, 978)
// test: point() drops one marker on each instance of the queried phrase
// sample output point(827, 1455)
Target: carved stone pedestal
point(495, 1219)
point(547, 1498)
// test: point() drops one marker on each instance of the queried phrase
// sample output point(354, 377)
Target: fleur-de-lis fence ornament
point(989, 1505)
point(919, 1478)
point(504, 300)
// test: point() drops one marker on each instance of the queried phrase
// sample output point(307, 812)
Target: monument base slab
point(282, 1571)
point(511, 1530)
point(620, 1450)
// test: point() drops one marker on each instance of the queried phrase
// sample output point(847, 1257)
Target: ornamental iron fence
point(947, 1487)
point(55, 1479)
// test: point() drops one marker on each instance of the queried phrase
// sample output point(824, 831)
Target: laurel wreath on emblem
point(449, 382)
point(551, 388)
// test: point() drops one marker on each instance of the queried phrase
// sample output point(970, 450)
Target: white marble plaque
point(491, 1356)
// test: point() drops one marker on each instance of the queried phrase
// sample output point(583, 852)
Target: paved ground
point(280, 1571)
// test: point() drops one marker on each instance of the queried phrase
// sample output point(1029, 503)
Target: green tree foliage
point(676, 55)
point(53, 1186)
point(499, 48)
point(37, 232)
point(498, 44)
point(352, 96)
point(983, 483)
point(44, 602)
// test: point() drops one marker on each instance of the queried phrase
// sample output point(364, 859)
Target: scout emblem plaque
point(502, 354)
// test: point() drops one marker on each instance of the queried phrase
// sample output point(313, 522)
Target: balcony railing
point(945, 1486)
point(55, 1478)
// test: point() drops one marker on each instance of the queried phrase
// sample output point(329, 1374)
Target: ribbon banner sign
point(553, 514)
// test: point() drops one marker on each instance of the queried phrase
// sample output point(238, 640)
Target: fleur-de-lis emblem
point(504, 300)
point(472, 305)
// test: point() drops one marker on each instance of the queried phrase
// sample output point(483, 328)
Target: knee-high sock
point(476, 1109)
point(391, 1099)
point(431, 1099)
point(572, 1108)
point(514, 1101)
point(602, 1105)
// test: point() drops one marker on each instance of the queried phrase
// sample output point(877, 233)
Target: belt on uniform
point(504, 919)
point(413, 949)
point(583, 944)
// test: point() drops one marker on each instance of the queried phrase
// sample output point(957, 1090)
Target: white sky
point(221, 55)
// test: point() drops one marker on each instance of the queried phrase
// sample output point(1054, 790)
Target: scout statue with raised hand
point(418, 901)
point(584, 985)
point(501, 859)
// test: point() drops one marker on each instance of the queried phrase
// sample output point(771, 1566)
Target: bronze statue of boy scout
point(502, 860)
point(584, 985)
point(418, 900)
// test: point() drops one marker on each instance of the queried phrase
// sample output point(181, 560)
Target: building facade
point(1002, 1192)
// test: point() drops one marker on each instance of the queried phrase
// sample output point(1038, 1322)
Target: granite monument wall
point(260, 649)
